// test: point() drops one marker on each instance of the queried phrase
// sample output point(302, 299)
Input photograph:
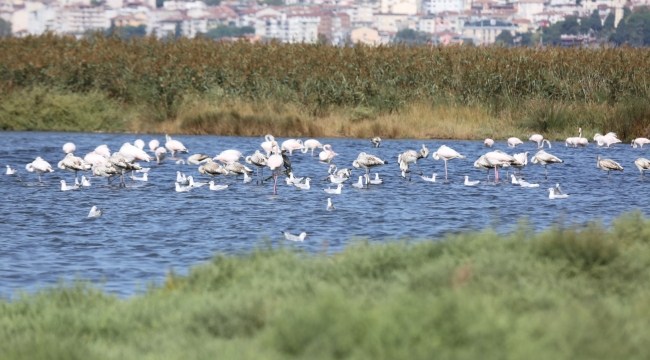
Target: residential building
point(79, 19)
point(484, 32)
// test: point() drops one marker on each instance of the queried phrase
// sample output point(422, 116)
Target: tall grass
point(553, 90)
point(577, 292)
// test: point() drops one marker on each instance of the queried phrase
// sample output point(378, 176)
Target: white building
point(43, 19)
point(79, 19)
point(288, 28)
point(438, 6)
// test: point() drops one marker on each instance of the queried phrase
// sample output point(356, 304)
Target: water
point(148, 228)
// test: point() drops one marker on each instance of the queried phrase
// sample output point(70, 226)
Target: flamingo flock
point(100, 162)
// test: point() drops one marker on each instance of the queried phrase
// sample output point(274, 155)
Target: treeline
point(159, 75)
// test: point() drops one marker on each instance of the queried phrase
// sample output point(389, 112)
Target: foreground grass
point(566, 293)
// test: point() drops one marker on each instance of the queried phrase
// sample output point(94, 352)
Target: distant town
point(337, 22)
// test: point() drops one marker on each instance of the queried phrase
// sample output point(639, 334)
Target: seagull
point(330, 207)
point(311, 144)
point(10, 171)
point(488, 142)
point(642, 164)
point(552, 195)
point(180, 178)
point(376, 181)
point(367, 161)
point(334, 170)
point(336, 191)
point(304, 186)
point(470, 183)
point(514, 179)
point(247, 178)
point(180, 188)
point(523, 183)
point(84, 181)
point(293, 180)
point(544, 158)
point(65, 187)
point(336, 179)
point(358, 184)
point(291, 237)
point(446, 153)
point(376, 141)
point(557, 191)
point(39, 166)
point(144, 177)
point(608, 165)
point(513, 142)
point(430, 179)
point(214, 187)
point(95, 212)
point(193, 184)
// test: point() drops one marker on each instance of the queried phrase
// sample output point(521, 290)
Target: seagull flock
point(124, 163)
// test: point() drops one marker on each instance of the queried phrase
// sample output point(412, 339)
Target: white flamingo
point(311, 144)
point(39, 166)
point(376, 141)
point(642, 164)
point(639, 142)
point(69, 148)
point(103, 150)
point(139, 143)
point(292, 144)
point(161, 154)
point(212, 168)
point(153, 145)
point(446, 153)
point(259, 161)
point(483, 163)
point(411, 157)
point(228, 156)
point(268, 144)
point(544, 158)
point(327, 154)
point(539, 139)
point(73, 164)
point(488, 142)
point(197, 159)
point(275, 163)
point(606, 140)
point(174, 146)
point(94, 158)
point(513, 142)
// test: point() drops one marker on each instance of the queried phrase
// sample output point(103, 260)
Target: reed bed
point(365, 91)
point(570, 292)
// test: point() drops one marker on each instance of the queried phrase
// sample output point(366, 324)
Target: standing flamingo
point(69, 148)
point(498, 159)
point(268, 144)
point(539, 139)
point(639, 142)
point(39, 166)
point(292, 144)
point(275, 163)
point(367, 161)
point(544, 158)
point(488, 142)
point(311, 144)
point(259, 161)
point(608, 165)
point(153, 145)
point(174, 146)
point(446, 153)
point(513, 142)
point(327, 154)
point(642, 164)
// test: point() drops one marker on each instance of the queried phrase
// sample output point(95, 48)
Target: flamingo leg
point(39, 179)
point(421, 173)
point(445, 169)
point(545, 173)
point(367, 177)
point(275, 183)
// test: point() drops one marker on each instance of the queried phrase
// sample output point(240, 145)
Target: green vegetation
point(229, 31)
point(127, 32)
point(5, 28)
point(573, 292)
point(412, 37)
point(198, 86)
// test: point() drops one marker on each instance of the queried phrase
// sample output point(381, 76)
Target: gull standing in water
point(446, 153)
point(376, 141)
point(358, 184)
point(470, 183)
point(367, 162)
point(376, 181)
point(608, 165)
point(544, 158)
point(330, 206)
point(291, 237)
point(39, 166)
point(180, 188)
point(642, 164)
point(304, 186)
point(10, 171)
point(214, 187)
point(95, 212)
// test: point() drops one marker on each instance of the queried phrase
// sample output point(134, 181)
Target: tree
point(229, 31)
point(504, 38)
point(5, 28)
point(609, 22)
point(411, 37)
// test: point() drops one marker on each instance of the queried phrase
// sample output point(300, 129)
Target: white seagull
point(10, 171)
point(214, 187)
point(329, 204)
point(336, 191)
point(291, 237)
point(193, 184)
point(304, 186)
point(552, 195)
point(95, 212)
point(358, 184)
point(430, 179)
point(144, 177)
point(180, 188)
point(65, 187)
point(470, 183)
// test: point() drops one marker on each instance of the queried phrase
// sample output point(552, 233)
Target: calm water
point(148, 228)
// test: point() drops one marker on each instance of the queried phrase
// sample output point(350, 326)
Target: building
point(79, 19)
point(485, 32)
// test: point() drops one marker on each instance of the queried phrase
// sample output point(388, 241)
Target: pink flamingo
point(446, 153)
point(275, 163)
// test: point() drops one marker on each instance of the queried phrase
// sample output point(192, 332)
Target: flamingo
point(275, 162)
point(94, 158)
point(470, 183)
point(95, 212)
point(539, 139)
point(105, 170)
point(642, 164)
point(608, 165)
point(327, 154)
point(139, 143)
point(334, 170)
point(160, 153)
point(582, 141)
point(268, 144)
point(69, 148)
point(228, 156)
point(174, 146)
point(197, 159)
point(292, 144)
point(311, 144)
point(544, 158)
point(498, 158)
point(640, 142)
point(446, 153)
point(103, 150)
point(367, 161)
point(39, 166)
point(122, 165)
point(212, 168)
point(153, 145)
point(411, 157)
point(488, 142)
point(259, 161)
point(132, 153)
point(483, 163)
point(235, 168)
point(73, 164)
point(376, 141)
point(513, 142)
point(291, 237)
point(330, 206)
point(606, 140)
point(521, 160)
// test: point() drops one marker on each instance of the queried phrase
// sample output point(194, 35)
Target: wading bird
point(608, 165)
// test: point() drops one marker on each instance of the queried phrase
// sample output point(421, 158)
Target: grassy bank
point(198, 86)
point(566, 293)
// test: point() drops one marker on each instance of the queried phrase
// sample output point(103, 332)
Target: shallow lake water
point(148, 228)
